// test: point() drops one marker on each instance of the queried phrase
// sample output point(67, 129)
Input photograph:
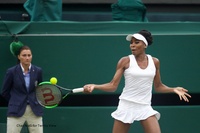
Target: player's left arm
point(160, 87)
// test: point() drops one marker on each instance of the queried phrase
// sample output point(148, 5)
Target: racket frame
point(76, 90)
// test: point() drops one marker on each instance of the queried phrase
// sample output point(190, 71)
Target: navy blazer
point(15, 92)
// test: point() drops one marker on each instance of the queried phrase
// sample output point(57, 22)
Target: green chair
point(129, 10)
point(44, 10)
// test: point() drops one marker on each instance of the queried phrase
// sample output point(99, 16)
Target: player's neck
point(141, 57)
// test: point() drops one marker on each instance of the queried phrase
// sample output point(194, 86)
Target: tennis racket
point(50, 95)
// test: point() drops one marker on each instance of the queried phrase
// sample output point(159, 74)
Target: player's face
point(25, 57)
point(137, 47)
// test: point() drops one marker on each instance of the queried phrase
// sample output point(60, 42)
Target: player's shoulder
point(124, 59)
point(156, 61)
point(123, 62)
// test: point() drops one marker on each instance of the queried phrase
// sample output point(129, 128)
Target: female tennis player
point(140, 70)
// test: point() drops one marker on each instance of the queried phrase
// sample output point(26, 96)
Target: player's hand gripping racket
point(50, 95)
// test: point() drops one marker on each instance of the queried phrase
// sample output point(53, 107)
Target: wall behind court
point(81, 53)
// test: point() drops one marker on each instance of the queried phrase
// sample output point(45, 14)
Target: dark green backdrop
point(80, 53)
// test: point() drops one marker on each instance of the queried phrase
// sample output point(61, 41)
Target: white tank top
point(138, 82)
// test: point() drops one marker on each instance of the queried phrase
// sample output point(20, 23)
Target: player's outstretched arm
point(160, 87)
point(183, 95)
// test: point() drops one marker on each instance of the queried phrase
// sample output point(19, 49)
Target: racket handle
point(77, 90)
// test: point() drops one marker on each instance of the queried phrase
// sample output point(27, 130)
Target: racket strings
point(48, 95)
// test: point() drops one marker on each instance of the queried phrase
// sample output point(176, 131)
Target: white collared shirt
point(26, 76)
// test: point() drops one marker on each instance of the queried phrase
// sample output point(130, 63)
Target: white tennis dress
point(135, 100)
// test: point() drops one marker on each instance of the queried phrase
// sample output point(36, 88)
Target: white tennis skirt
point(128, 112)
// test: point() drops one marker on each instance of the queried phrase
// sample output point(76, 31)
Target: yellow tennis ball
point(53, 80)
